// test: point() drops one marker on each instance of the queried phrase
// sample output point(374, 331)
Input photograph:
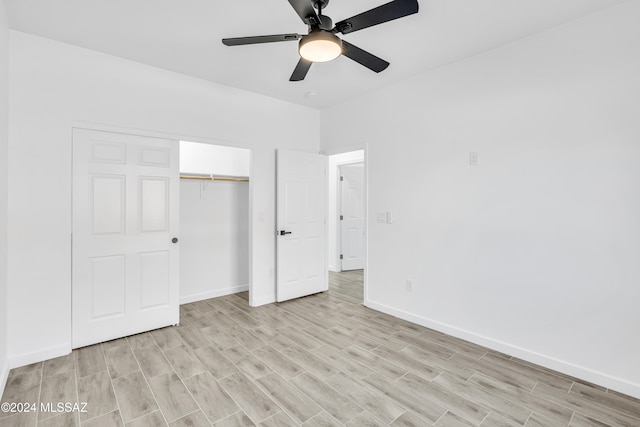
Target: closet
point(214, 220)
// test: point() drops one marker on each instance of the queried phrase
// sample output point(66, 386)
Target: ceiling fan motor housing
point(326, 23)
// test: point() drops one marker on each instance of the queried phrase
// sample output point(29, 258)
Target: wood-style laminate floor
point(322, 360)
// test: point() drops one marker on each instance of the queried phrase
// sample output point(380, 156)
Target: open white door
point(125, 228)
point(352, 217)
point(301, 234)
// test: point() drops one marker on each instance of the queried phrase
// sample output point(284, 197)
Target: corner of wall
point(4, 148)
point(4, 375)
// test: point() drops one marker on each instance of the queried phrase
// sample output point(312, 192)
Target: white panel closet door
point(352, 219)
point(302, 234)
point(125, 215)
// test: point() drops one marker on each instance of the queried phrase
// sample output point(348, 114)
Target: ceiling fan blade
point(304, 9)
point(237, 41)
point(363, 57)
point(301, 70)
point(387, 12)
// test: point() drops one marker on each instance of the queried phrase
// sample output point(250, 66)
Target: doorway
point(347, 222)
point(214, 220)
point(352, 220)
point(131, 250)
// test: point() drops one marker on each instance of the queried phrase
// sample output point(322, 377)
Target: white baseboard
point(334, 269)
point(567, 368)
point(213, 294)
point(4, 375)
point(18, 360)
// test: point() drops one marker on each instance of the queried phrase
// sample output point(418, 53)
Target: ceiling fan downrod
point(325, 23)
point(320, 4)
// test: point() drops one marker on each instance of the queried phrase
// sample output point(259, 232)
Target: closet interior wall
point(214, 223)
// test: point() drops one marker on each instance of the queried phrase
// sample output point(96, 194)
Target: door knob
point(282, 232)
point(174, 240)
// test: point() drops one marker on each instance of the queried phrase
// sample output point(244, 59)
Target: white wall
point(535, 251)
point(54, 85)
point(214, 250)
point(4, 129)
point(333, 162)
point(196, 158)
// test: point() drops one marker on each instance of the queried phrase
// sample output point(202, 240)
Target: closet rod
point(214, 178)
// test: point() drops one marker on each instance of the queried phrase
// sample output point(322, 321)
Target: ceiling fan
point(321, 43)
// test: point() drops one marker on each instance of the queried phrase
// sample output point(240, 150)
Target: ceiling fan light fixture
point(320, 46)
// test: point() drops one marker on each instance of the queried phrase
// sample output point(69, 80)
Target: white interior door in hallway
point(301, 220)
point(352, 218)
point(125, 229)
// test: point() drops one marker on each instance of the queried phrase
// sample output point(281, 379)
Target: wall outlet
point(381, 217)
point(409, 285)
point(389, 217)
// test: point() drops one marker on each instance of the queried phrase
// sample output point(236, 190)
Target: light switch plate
point(473, 158)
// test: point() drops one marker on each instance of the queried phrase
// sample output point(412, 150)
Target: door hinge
point(341, 218)
point(342, 178)
point(341, 256)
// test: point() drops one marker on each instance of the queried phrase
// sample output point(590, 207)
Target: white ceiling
point(184, 36)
